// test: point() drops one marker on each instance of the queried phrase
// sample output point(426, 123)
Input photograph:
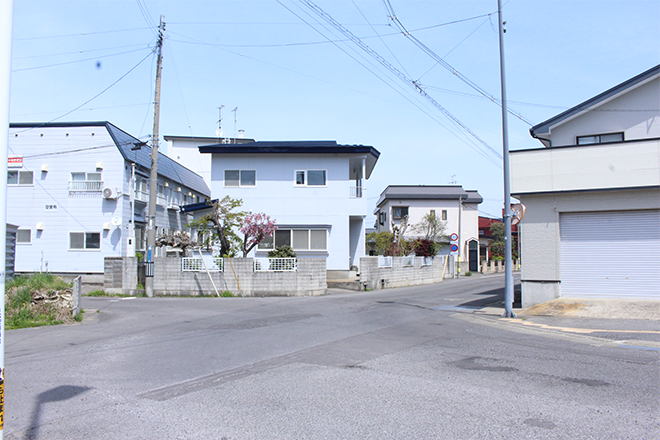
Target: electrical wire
point(76, 52)
point(79, 61)
point(92, 98)
point(83, 34)
point(317, 10)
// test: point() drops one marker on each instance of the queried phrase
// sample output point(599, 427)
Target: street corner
point(601, 308)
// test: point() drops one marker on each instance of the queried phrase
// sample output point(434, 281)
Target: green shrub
point(227, 294)
point(468, 274)
point(282, 252)
point(98, 293)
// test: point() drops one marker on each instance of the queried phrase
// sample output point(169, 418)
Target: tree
point(256, 227)
point(222, 221)
point(497, 245)
point(431, 228)
point(382, 242)
point(179, 240)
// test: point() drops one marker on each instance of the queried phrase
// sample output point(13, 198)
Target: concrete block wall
point(238, 278)
point(120, 275)
point(399, 275)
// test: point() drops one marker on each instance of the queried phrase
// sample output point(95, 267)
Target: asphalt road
point(409, 363)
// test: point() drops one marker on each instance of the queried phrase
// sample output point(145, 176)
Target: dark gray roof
point(142, 157)
point(544, 127)
point(295, 147)
point(428, 192)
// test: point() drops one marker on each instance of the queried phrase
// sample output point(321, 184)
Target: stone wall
point(238, 278)
point(373, 277)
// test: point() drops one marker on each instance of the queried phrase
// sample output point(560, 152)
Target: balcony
point(76, 186)
point(356, 191)
point(141, 196)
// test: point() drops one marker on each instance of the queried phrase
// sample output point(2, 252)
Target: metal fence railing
point(195, 264)
point(356, 191)
point(384, 262)
point(275, 264)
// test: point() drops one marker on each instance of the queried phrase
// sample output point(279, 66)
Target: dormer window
point(600, 139)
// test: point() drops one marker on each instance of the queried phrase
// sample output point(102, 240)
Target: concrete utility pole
point(508, 265)
point(153, 177)
point(6, 23)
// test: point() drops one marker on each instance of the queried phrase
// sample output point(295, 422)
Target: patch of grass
point(98, 293)
point(227, 294)
point(79, 318)
point(468, 274)
point(37, 300)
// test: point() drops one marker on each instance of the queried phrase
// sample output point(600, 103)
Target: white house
point(184, 150)
point(70, 192)
point(592, 224)
point(315, 190)
point(449, 203)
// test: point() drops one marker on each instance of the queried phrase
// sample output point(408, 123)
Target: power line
point(82, 34)
point(79, 61)
point(77, 52)
point(398, 73)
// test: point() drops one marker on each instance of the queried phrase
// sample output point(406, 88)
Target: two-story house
point(457, 207)
point(315, 190)
point(78, 192)
point(592, 192)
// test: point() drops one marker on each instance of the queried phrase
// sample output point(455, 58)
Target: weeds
point(37, 300)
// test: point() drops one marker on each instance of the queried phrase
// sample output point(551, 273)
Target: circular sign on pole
point(453, 237)
point(454, 248)
point(116, 220)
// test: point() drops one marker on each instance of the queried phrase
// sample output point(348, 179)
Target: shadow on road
point(494, 296)
point(56, 394)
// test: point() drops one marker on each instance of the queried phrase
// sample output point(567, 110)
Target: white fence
point(196, 264)
point(384, 262)
point(85, 185)
point(275, 264)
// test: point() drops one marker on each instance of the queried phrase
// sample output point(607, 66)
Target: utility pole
point(153, 177)
point(508, 264)
point(6, 23)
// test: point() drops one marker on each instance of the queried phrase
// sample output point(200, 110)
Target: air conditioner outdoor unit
point(110, 194)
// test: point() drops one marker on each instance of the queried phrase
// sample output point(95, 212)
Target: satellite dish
point(518, 211)
point(116, 220)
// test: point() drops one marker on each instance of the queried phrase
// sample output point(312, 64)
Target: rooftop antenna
point(453, 179)
point(219, 132)
point(235, 109)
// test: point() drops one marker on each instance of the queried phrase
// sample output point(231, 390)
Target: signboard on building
point(15, 162)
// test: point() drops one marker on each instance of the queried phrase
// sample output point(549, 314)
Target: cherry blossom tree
point(256, 227)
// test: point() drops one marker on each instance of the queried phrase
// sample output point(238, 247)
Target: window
point(399, 211)
point(382, 216)
point(84, 240)
point(310, 178)
point(298, 239)
point(432, 213)
point(444, 214)
point(85, 182)
point(240, 178)
point(24, 236)
point(19, 178)
point(600, 139)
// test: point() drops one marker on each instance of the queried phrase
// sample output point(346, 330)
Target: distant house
point(78, 193)
point(486, 237)
point(592, 225)
point(315, 190)
point(449, 203)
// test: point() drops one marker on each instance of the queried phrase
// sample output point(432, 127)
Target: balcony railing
point(85, 186)
point(356, 191)
point(142, 196)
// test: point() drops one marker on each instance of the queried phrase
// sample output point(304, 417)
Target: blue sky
point(293, 77)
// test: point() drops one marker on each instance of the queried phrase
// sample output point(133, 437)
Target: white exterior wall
point(634, 124)
point(276, 195)
point(83, 212)
point(419, 208)
point(65, 150)
point(186, 152)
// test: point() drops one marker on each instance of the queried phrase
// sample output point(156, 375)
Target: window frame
point(18, 177)
point(271, 241)
point(85, 248)
point(305, 174)
point(599, 138)
point(22, 230)
point(444, 215)
point(394, 209)
point(240, 179)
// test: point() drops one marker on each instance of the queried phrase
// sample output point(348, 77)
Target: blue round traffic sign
point(454, 248)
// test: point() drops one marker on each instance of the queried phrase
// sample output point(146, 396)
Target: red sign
point(453, 237)
point(14, 162)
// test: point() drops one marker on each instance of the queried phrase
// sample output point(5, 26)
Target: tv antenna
point(235, 109)
point(219, 132)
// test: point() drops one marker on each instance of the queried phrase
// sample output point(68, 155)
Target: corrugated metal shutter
point(611, 254)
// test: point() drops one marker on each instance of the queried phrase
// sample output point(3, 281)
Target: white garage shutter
point(610, 254)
